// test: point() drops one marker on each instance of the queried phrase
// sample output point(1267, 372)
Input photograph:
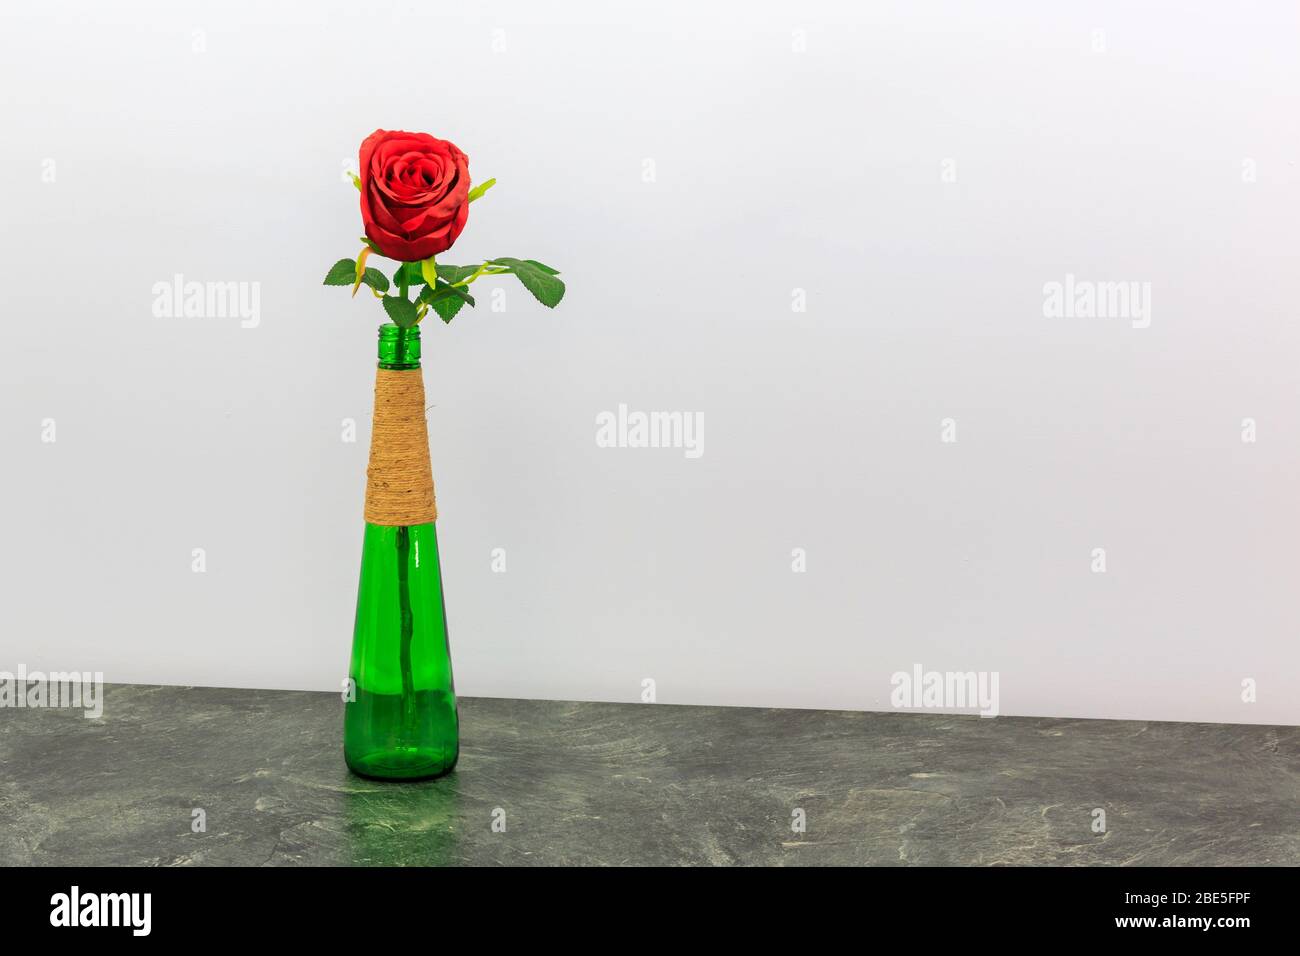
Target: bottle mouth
point(399, 348)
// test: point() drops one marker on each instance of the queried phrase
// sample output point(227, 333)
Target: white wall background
point(776, 170)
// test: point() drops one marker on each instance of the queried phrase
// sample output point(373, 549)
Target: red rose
point(414, 193)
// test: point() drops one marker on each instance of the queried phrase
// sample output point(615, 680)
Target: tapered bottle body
point(400, 716)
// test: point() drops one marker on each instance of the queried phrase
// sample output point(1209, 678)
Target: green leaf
point(545, 288)
point(375, 279)
point(478, 191)
point(343, 272)
point(356, 180)
point(444, 290)
point(429, 270)
point(447, 307)
point(511, 263)
point(373, 247)
point(455, 273)
point(401, 311)
point(411, 270)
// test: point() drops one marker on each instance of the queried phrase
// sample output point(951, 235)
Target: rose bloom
point(414, 193)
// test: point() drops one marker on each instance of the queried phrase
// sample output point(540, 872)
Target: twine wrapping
point(399, 480)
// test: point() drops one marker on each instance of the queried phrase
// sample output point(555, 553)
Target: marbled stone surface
point(583, 783)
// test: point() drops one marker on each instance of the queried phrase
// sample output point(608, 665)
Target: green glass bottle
point(400, 720)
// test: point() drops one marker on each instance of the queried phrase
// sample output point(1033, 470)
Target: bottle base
point(402, 763)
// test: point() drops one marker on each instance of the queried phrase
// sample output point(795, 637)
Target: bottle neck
point(399, 348)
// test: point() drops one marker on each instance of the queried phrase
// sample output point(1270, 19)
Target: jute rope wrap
point(399, 481)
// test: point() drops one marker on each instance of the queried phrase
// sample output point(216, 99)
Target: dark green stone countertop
point(584, 783)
